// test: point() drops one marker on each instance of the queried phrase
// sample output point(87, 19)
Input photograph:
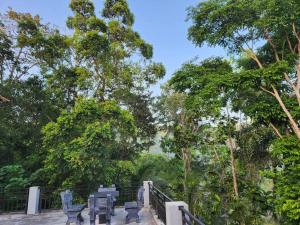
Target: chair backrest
point(91, 203)
point(140, 197)
point(66, 200)
point(99, 203)
point(104, 201)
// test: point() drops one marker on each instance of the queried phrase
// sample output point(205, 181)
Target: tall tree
point(181, 128)
point(106, 47)
point(100, 64)
point(263, 37)
point(267, 33)
point(43, 72)
point(207, 87)
point(26, 47)
point(22, 118)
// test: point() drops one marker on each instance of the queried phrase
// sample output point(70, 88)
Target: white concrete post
point(33, 200)
point(147, 194)
point(173, 214)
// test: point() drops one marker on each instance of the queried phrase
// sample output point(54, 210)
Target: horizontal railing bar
point(160, 192)
point(191, 217)
point(188, 222)
point(158, 201)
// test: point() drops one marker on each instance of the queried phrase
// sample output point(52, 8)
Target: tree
point(104, 48)
point(181, 127)
point(13, 177)
point(209, 89)
point(26, 47)
point(26, 44)
point(267, 33)
point(206, 86)
point(44, 72)
point(92, 143)
point(263, 38)
point(29, 109)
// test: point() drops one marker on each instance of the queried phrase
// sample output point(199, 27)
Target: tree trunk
point(275, 93)
point(186, 156)
point(291, 119)
point(3, 99)
point(233, 166)
point(276, 130)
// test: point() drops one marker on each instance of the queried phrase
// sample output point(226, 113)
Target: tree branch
point(265, 90)
point(253, 56)
point(295, 32)
point(298, 38)
point(276, 130)
point(26, 71)
point(15, 64)
point(289, 43)
point(3, 99)
point(293, 123)
point(270, 41)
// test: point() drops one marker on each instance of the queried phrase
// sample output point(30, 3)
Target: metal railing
point(13, 199)
point(50, 197)
point(127, 194)
point(188, 218)
point(158, 202)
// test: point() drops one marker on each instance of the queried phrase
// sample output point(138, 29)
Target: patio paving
point(57, 217)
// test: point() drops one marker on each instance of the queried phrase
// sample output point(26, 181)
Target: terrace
point(158, 209)
point(57, 217)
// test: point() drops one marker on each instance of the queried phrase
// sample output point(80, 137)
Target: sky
point(161, 23)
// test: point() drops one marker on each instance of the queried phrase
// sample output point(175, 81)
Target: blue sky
point(160, 22)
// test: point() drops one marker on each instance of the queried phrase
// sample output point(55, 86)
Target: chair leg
point(108, 221)
point(68, 221)
point(93, 220)
point(113, 211)
point(81, 218)
point(137, 219)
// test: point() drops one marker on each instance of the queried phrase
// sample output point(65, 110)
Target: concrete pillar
point(147, 194)
point(173, 214)
point(33, 200)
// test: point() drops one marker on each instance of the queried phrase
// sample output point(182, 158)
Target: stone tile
point(57, 217)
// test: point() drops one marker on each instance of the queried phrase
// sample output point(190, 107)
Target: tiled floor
point(58, 218)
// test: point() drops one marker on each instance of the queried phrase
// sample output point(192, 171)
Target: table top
point(103, 194)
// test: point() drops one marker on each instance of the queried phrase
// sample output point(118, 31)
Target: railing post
point(33, 200)
point(147, 193)
point(173, 214)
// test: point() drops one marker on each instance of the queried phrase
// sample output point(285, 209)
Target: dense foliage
point(237, 121)
point(77, 111)
point(78, 105)
point(93, 143)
